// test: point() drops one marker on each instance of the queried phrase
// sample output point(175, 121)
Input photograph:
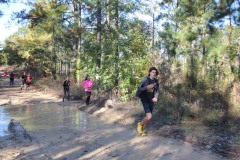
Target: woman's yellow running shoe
point(139, 128)
point(143, 134)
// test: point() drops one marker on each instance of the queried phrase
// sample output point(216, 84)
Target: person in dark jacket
point(23, 78)
point(149, 91)
point(66, 89)
point(11, 79)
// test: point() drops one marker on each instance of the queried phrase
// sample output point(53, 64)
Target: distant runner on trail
point(11, 79)
point(23, 78)
point(66, 89)
point(87, 85)
point(149, 91)
point(5, 74)
point(28, 81)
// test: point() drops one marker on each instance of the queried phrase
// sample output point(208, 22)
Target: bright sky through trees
point(7, 26)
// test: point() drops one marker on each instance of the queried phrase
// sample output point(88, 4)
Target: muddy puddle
point(47, 118)
point(4, 120)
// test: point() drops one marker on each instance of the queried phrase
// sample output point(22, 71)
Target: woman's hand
point(154, 99)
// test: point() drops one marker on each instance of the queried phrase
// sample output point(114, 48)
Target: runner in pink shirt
point(87, 85)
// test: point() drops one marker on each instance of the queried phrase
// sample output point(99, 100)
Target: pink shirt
point(87, 84)
point(29, 78)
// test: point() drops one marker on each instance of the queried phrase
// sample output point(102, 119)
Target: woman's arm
point(142, 86)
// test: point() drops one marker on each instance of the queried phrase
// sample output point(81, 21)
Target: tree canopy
point(197, 41)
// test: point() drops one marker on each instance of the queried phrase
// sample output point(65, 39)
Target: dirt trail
point(106, 143)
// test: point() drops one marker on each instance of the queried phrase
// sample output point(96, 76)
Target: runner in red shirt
point(5, 74)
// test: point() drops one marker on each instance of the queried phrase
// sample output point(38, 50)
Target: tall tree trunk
point(204, 62)
point(99, 20)
point(76, 37)
point(231, 52)
point(108, 17)
point(54, 58)
point(204, 52)
point(192, 77)
point(99, 41)
point(77, 9)
point(117, 50)
point(78, 64)
point(153, 30)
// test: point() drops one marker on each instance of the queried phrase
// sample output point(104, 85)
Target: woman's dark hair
point(153, 68)
point(87, 76)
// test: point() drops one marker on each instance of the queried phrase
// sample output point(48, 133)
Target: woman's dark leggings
point(66, 94)
point(88, 94)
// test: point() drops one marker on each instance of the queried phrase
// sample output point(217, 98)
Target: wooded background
point(194, 44)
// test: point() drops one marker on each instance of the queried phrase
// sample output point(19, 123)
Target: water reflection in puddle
point(47, 118)
point(4, 120)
